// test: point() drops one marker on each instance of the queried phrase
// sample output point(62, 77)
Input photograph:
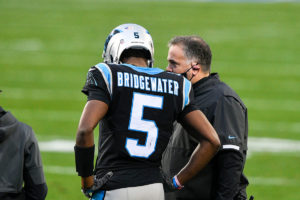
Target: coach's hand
point(98, 183)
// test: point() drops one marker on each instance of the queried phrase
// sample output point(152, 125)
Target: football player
point(135, 106)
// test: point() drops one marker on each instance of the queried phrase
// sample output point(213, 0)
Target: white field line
point(272, 145)
point(254, 145)
point(27, 45)
point(272, 181)
point(57, 146)
point(60, 170)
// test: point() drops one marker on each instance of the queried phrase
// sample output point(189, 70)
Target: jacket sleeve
point(229, 166)
point(34, 181)
point(230, 122)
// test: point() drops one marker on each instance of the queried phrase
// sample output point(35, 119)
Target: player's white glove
point(98, 183)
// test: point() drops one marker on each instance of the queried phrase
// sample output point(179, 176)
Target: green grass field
point(46, 48)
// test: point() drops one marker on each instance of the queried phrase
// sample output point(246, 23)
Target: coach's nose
point(169, 69)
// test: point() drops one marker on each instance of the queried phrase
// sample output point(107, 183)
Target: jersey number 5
point(148, 127)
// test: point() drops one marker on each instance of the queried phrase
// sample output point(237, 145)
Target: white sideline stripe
point(60, 170)
point(254, 145)
point(272, 145)
point(272, 181)
point(57, 146)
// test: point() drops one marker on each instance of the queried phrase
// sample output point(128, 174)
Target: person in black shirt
point(21, 169)
point(136, 106)
point(222, 178)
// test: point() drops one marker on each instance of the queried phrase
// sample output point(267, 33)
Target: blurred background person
point(222, 178)
point(21, 170)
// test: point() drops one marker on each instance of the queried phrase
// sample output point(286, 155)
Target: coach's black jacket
point(20, 161)
point(222, 178)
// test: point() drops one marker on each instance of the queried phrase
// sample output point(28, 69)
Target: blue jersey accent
point(187, 89)
point(147, 70)
point(99, 195)
point(106, 72)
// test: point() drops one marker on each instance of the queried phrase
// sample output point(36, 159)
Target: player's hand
point(87, 192)
point(168, 183)
point(98, 183)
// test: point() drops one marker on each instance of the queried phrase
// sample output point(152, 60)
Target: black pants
point(12, 196)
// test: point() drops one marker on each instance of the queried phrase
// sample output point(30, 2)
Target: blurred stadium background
point(46, 48)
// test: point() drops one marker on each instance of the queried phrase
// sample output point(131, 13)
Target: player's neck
point(137, 61)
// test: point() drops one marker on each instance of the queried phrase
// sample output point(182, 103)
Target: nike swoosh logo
point(231, 137)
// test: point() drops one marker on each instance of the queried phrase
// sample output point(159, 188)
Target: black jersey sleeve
point(95, 86)
point(230, 122)
point(189, 108)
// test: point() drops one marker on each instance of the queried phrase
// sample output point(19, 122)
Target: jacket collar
point(205, 82)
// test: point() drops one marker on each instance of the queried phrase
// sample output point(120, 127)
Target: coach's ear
point(196, 67)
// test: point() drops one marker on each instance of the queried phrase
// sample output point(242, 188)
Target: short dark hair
point(194, 48)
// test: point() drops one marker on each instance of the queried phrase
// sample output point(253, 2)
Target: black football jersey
point(143, 104)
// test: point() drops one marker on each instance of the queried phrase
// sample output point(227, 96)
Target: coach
point(222, 178)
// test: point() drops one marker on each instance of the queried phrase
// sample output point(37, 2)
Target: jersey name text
point(147, 83)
